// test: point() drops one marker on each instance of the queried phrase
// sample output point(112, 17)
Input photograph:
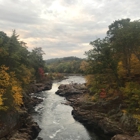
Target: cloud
point(63, 27)
point(20, 12)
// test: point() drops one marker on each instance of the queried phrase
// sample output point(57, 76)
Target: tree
point(125, 40)
point(114, 63)
point(10, 90)
point(18, 68)
point(36, 60)
point(102, 65)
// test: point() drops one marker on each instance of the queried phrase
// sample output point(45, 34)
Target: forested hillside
point(113, 65)
point(18, 68)
point(64, 65)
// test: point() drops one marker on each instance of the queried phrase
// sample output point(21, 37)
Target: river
point(55, 119)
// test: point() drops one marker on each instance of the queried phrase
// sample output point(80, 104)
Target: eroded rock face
point(8, 122)
point(98, 120)
point(20, 124)
point(38, 87)
point(29, 129)
point(104, 115)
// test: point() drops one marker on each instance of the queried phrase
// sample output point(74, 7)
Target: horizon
point(63, 27)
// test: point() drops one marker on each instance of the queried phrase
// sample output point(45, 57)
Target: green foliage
point(139, 128)
point(55, 76)
point(131, 93)
point(102, 64)
point(36, 60)
point(64, 65)
point(18, 68)
point(114, 63)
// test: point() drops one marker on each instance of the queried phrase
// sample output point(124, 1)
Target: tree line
point(64, 65)
point(18, 68)
point(113, 65)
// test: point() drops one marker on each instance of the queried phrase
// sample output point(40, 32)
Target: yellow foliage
point(27, 74)
point(136, 116)
point(135, 65)
point(121, 71)
point(9, 86)
point(1, 100)
point(2, 91)
point(124, 111)
point(17, 95)
point(16, 90)
point(4, 76)
point(131, 94)
point(89, 79)
point(18, 99)
point(84, 65)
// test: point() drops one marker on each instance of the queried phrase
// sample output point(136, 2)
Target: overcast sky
point(63, 27)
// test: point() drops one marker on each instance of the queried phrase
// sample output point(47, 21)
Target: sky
point(63, 28)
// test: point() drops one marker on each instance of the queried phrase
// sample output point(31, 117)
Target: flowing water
point(55, 119)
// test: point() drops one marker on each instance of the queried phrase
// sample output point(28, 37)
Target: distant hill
point(54, 60)
point(64, 65)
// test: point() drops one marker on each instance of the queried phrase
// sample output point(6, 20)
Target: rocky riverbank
point(104, 116)
point(19, 125)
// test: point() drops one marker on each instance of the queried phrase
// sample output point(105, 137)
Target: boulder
point(28, 130)
point(71, 89)
point(38, 87)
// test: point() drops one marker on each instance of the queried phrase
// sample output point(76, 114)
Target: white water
point(55, 118)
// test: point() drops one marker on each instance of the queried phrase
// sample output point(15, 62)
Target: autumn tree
point(18, 68)
point(10, 90)
point(125, 40)
point(115, 62)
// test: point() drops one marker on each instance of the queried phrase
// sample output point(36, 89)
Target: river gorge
point(55, 119)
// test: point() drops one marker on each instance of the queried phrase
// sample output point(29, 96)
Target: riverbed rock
point(38, 87)
point(8, 121)
point(39, 138)
point(110, 124)
point(15, 125)
point(97, 121)
point(28, 130)
point(18, 126)
point(70, 89)
point(105, 116)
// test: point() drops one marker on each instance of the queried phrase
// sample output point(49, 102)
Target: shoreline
point(105, 117)
point(23, 126)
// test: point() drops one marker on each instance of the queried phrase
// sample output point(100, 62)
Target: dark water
point(55, 118)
